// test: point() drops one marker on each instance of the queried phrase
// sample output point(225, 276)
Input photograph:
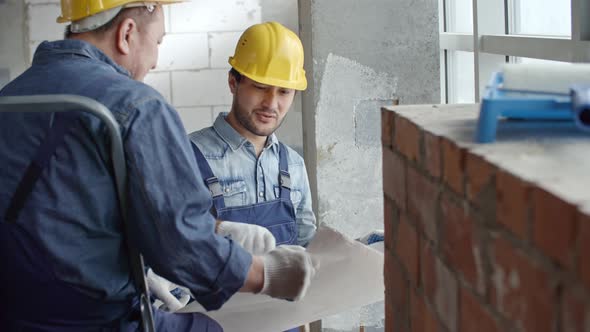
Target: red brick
point(389, 316)
point(575, 312)
point(522, 291)
point(394, 178)
point(422, 202)
point(428, 271)
point(479, 181)
point(387, 118)
point(512, 198)
point(407, 249)
point(422, 318)
point(440, 287)
point(445, 298)
point(474, 316)
point(388, 216)
point(396, 296)
point(458, 242)
point(406, 138)
point(396, 285)
point(453, 165)
point(584, 250)
point(432, 155)
point(554, 227)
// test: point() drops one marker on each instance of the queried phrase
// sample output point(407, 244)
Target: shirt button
point(261, 194)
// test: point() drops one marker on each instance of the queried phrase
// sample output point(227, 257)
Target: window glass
point(459, 16)
point(541, 17)
point(461, 77)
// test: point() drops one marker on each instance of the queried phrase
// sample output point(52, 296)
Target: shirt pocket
point(234, 192)
point(296, 196)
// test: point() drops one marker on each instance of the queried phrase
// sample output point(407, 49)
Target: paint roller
point(561, 79)
point(580, 94)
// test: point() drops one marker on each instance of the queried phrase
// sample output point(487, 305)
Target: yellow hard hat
point(270, 54)
point(74, 10)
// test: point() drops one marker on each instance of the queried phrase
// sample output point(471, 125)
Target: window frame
point(492, 44)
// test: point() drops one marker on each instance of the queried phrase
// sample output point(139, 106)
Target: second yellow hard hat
point(271, 54)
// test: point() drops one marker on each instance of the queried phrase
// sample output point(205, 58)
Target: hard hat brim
point(112, 4)
point(299, 85)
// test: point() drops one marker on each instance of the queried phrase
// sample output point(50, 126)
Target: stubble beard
point(247, 121)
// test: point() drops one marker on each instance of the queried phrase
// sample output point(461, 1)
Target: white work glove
point(372, 237)
point(161, 290)
point(257, 240)
point(288, 271)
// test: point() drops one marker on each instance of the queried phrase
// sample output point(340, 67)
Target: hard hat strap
point(94, 21)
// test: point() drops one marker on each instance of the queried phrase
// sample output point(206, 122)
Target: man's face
point(258, 108)
point(149, 36)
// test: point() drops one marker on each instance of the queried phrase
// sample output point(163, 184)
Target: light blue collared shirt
point(246, 179)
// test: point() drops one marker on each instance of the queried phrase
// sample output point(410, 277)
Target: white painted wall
point(192, 68)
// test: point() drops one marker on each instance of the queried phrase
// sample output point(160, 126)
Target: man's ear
point(124, 33)
point(233, 83)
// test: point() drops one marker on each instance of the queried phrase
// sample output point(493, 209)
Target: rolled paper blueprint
point(580, 94)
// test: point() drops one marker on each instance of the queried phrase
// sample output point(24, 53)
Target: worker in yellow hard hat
point(261, 180)
point(64, 258)
point(254, 169)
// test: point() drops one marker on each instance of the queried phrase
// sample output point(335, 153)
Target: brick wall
point(473, 247)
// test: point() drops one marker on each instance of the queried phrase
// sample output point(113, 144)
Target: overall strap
point(54, 138)
point(211, 181)
point(284, 176)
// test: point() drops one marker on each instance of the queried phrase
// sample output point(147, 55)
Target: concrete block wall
point(360, 55)
point(473, 245)
point(12, 47)
point(192, 67)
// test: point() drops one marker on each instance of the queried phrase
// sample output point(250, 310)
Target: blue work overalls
point(33, 300)
point(277, 215)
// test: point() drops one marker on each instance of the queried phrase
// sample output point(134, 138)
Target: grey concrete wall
point(282, 11)
point(12, 35)
point(360, 51)
point(360, 55)
point(4, 76)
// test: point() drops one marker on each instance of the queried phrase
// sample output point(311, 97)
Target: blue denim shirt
point(246, 179)
point(72, 217)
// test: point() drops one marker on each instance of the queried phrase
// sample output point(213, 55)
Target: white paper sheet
point(350, 276)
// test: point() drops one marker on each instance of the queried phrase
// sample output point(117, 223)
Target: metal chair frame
point(74, 103)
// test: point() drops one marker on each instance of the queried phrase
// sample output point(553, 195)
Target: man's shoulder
point(202, 134)
point(209, 142)
point(133, 90)
point(129, 99)
point(117, 91)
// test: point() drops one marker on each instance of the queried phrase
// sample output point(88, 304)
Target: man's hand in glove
point(162, 289)
point(255, 239)
point(288, 271)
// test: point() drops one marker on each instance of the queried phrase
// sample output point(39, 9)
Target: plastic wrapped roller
point(580, 94)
